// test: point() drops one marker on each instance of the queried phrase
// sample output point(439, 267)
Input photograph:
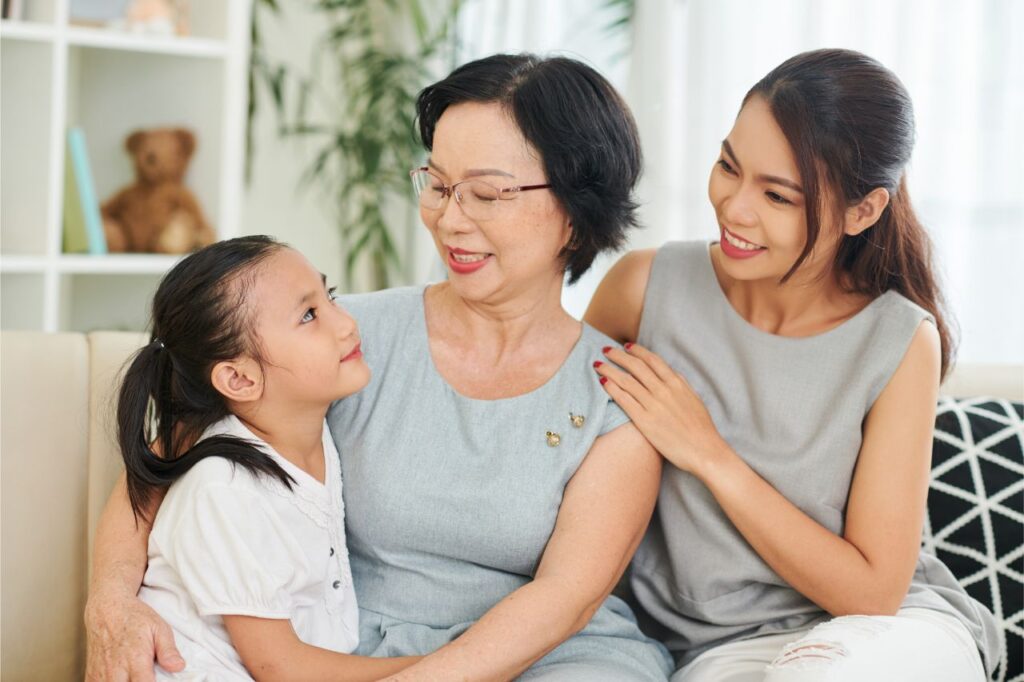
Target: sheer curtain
point(692, 61)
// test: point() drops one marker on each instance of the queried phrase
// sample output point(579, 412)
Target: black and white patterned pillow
point(975, 521)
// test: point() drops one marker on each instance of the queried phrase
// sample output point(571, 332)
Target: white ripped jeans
point(915, 645)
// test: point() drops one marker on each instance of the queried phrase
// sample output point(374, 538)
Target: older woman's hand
point(663, 406)
point(124, 636)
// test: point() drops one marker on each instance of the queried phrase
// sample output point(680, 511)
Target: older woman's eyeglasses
point(478, 199)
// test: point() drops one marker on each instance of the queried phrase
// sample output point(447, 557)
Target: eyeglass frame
point(449, 190)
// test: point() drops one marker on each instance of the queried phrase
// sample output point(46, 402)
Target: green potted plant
point(368, 65)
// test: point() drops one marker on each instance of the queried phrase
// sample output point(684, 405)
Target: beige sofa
point(58, 462)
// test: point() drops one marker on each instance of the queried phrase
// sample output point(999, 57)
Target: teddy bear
point(157, 214)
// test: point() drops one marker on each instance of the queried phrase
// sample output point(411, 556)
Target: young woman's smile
point(734, 247)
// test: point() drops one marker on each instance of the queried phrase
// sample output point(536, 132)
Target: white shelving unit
point(56, 75)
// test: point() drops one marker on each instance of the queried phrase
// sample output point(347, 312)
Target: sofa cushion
point(45, 417)
point(975, 520)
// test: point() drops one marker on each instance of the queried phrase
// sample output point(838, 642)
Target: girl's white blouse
point(227, 542)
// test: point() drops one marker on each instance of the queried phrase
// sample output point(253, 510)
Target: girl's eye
point(777, 198)
point(726, 167)
point(332, 294)
point(309, 316)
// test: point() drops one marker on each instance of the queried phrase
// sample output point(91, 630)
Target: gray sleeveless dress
point(793, 409)
point(450, 501)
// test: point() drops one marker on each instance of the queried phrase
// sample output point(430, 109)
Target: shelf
point(116, 40)
point(108, 82)
point(117, 264)
point(27, 30)
point(22, 264)
point(83, 264)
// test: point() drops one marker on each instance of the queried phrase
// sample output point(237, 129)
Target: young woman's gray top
point(793, 408)
point(450, 501)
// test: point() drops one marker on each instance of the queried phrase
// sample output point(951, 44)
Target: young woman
point(247, 559)
point(789, 374)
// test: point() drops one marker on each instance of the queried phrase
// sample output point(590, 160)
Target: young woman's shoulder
point(923, 359)
point(911, 348)
point(617, 304)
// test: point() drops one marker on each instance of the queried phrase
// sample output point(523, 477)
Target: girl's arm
point(868, 569)
point(604, 512)
point(271, 650)
point(124, 635)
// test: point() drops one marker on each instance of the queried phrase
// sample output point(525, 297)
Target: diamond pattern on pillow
point(975, 520)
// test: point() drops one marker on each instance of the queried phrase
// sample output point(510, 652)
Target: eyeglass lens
point(476, 197)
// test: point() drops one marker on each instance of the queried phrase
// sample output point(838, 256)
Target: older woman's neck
point(508, 318)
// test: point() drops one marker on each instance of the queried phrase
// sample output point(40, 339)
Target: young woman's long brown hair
point(850, 123)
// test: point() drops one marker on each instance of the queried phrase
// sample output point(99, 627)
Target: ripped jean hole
point(809, 654)
point(864, 625)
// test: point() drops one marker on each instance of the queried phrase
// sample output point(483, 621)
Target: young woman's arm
point(868, 569)
point(619, 300)
point(604, 513)
point(272, 651)
point(124, 635)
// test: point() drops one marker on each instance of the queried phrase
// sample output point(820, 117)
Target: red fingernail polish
point(606, 349)
point(597, 363)
point(604, 380)
point(628, 345)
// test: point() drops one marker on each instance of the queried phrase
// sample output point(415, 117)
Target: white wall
point(273, 203)
point(691, 64)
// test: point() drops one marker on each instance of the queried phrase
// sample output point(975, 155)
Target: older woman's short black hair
point(577, 122)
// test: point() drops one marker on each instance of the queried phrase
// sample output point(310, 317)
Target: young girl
point(226, 405)
point(789, 372)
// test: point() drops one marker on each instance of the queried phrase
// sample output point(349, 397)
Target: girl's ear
point(239, 380)
point(866, 212)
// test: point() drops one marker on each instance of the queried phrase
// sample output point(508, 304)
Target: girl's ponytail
point(167, 400)
point(142, 382)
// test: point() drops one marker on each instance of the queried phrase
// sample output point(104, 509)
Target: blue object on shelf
point(97, 11)
point(87, 192)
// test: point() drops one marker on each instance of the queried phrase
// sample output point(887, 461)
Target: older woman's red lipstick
point(463, 267)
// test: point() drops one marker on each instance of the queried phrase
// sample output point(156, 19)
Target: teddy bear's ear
point(187, 141)
point(134, 140)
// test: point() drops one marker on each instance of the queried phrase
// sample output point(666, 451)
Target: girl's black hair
point(850, 123)
point(200, 317)
point(581, 127)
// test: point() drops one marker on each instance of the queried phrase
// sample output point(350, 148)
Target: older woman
point(494, 493)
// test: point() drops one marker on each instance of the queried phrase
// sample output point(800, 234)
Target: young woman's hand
point(663, 407)
point(124, 637)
